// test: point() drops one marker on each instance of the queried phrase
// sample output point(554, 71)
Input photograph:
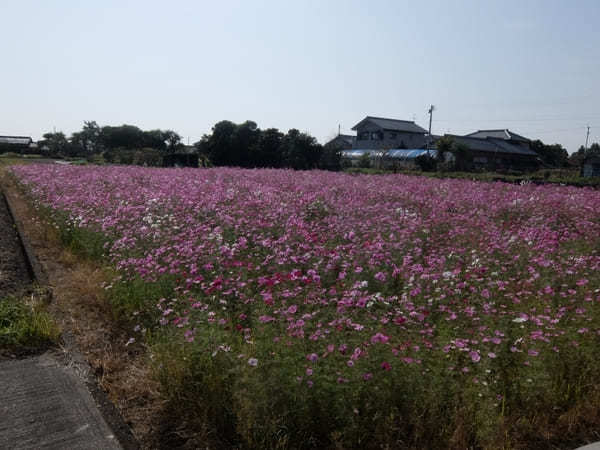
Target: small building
point(381, 133)
point(591, 166)
point(342, 142)
point(499, 150)
point(16, 144)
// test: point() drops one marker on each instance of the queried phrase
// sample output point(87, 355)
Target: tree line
point(126, 144)
point(246, 145)
point(228, 144)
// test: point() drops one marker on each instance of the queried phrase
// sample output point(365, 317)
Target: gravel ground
point(14, 275)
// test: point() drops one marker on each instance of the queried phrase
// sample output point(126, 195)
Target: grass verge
point(25, 326)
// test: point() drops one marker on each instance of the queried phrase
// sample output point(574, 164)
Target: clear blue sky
point(531, 66)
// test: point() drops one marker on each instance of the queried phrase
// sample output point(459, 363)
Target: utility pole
point(586, 137)
point(339, 129)
point(431, 109)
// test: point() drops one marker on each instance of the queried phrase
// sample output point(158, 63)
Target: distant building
point(382, 133)
point(591, 166)
point(16, 144)
point(382, 138)
point(342, 142)
point(499, 150)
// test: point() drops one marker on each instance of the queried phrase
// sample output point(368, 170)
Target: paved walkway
point(45, 405)
point(595, 446)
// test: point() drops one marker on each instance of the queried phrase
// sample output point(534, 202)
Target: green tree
point(552, 155)
point(124, 136)
point(331, 158)
point(267, 151)
point(172, 141)
point(218, 146)
point(450, 150)
point(56, 143)
point(300, 150)
point(577, 158)
point(87, 141)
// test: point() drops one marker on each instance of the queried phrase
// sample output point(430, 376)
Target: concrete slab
point(594, 446)
point(45, 405)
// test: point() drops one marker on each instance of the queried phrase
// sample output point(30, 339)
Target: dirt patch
point(90, 330)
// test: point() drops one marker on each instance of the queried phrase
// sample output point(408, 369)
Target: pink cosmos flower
point(475, 357)
point(379, 337)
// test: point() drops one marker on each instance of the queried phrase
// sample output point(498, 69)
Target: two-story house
point(382, 133)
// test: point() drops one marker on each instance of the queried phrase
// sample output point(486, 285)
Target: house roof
point(346, 137)
point(407, 126)
point(492, 145)
point(16, 140)
point(505, 134)
point(343, 138)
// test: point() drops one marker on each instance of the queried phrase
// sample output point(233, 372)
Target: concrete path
point(45, 405)
point(595, 446)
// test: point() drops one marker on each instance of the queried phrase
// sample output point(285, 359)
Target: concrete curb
point(35, 268)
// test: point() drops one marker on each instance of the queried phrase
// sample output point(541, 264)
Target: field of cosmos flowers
point(288, 309)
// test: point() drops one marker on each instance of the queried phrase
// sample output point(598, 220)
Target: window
point(393, 135)
point(364, 136)
point(376, 136)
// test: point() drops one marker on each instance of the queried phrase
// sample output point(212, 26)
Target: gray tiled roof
point(492, 145)
point(510, 148)
point(505, 134)
point(15, 140)
point(408, 126)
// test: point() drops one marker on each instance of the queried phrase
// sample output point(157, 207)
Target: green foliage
point(577, 158)
point(331, 159)
point(124, 144)
point(457, 155)
point(426, 163)
point(56, 143)
point(300, 150)
point(245, 145)
point(25, 327)
point(82, 241)
point(137, 297)
point(552, 155)
point(140, 157)
point(364, 162)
